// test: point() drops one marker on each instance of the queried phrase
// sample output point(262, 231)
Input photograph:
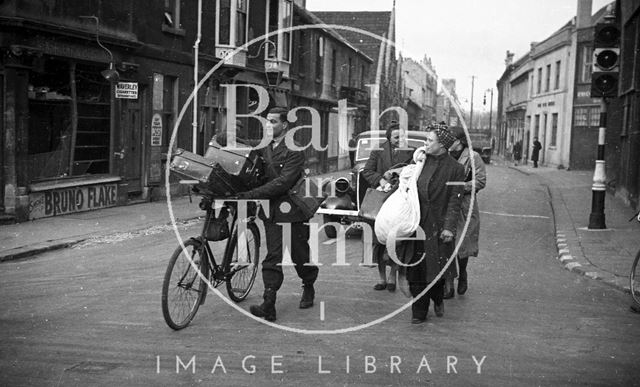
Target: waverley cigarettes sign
point(127, 90)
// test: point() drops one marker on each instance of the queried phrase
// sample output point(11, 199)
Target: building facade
point(91, 92)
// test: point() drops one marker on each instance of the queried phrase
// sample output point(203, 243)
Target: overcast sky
point(467, 37)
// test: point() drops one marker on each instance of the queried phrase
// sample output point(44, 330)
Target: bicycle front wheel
point(241, 261)
point(634, 279)
point(183, 289)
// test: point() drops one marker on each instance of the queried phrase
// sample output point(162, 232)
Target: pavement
point(602, 255)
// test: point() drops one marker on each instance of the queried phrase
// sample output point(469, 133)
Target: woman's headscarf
point(445, 137)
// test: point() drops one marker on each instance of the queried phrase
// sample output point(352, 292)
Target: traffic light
point(606, 61)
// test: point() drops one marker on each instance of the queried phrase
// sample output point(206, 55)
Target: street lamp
point(484, 102)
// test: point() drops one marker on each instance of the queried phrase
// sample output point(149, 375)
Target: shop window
point(68, 137)
point(91, 151)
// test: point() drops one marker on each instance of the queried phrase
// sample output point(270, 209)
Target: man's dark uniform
point(284, 167)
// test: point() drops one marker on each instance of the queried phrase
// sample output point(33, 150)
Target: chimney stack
point(583, 17)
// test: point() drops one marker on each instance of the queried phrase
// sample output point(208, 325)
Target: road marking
point(514, 215)
point(321, 310)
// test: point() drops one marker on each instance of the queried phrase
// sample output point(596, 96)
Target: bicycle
point(193, 269)
point(634, 277)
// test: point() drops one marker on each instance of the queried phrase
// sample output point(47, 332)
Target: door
point(130, 149)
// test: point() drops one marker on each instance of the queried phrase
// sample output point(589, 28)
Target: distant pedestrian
point(517, 152)
point(352, 149)
point(535, 153)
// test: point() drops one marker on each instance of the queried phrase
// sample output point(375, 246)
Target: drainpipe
point(196, 49)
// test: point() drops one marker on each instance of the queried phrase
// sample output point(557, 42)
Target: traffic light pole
point(599, 188)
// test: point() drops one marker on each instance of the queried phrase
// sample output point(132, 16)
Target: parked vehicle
point(343, 207)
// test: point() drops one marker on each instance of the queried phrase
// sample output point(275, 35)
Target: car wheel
point(328, 229)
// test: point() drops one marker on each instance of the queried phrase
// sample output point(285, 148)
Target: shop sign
point(72, 199)
point(156, 130)
point(127, 90)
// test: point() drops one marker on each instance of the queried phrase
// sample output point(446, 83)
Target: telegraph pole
point(473, 77)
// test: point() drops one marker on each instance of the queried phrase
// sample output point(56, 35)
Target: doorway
point(130, 149)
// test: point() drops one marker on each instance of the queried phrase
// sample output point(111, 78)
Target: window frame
point(557, 81)
point(172, 6)
point(233, 25)
point(280, 35)
point(547, 81)
point(554, 130)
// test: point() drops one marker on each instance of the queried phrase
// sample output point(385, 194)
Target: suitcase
point(245, 165)
point(222, 175)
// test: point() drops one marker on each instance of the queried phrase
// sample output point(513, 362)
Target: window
point(544, 125)
point(554, 129)
point(580, 116)
point(171, 19)
point(302, 53)
point(349, 71)
point(557, 86)
point(279, 16)
point(169, 106)
point(363, 76)
point(67, 137)
point(536, 128)
point(286, 36)
point(231, 20)
point(548, 79)
point(319, 57)
point(333, 66)
point(587, 59)
point(539, 80)
point(594, 116)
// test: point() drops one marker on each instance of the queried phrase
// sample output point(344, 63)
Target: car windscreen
point(366, 145)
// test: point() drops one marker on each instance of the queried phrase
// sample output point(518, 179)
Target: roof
point(313, 18)
point(374, 22)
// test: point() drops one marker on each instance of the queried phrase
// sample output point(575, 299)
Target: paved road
point(91, 316)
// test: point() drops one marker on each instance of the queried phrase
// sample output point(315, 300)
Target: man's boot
point(308, 293)
point(267, 309)
point(462, 279)
point(448, 288)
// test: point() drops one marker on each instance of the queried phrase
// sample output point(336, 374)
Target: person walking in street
point(469, 245)
point(440, 198)
point(517, 152)
point(377, 173)
point(535, 153)
point(284, 167)
point(352, 149)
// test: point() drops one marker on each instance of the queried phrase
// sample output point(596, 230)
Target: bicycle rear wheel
point(634, 279)
point(242, 271)
point(183, 289)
